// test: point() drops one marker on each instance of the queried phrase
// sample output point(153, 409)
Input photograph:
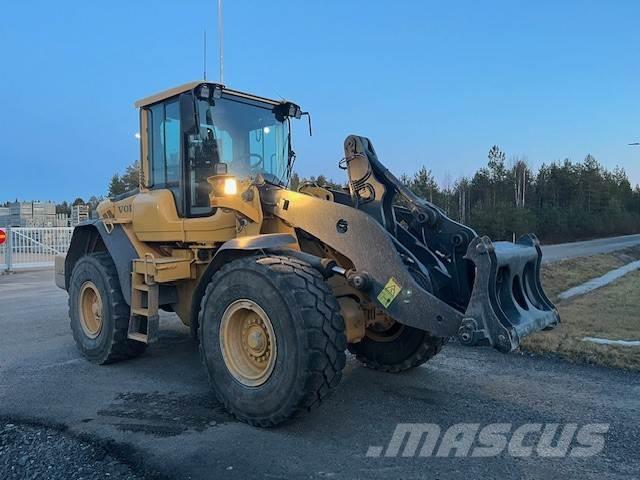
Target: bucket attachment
point(507, 302)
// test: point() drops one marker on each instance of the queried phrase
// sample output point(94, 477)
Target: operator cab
point(192, 132)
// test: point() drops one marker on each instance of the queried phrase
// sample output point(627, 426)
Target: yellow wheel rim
point(248, 342)
point(90, 308)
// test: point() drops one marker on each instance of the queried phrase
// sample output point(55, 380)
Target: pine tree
point(116, 186)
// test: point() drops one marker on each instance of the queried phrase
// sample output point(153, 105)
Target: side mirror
point(220, 168)
point(287, 109)
point(188, 117)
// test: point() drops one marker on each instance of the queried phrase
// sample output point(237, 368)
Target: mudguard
point(265, 241)
point(92, 236)
point(229, 250)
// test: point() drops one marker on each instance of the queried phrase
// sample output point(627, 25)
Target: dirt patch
point(610, 312)
point(163, 414)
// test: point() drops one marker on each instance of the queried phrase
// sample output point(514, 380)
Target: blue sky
point(431, 83)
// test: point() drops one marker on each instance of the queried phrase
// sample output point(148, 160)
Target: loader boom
point(486, 293)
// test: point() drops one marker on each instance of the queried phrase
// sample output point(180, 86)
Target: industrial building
point(4, 217)
point(32, 214)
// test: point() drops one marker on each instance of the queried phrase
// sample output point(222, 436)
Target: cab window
point(172, 142)
point(164, 144)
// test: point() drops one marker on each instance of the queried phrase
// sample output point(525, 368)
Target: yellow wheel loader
point(277, 284)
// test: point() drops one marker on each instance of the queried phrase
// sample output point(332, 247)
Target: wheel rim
point(90, 307)
point(248, 342)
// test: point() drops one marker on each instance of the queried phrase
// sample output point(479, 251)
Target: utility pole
point(221, 41)
point(635, 144)
point(204, 56)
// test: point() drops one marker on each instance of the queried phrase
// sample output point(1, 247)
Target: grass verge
point(560, 276)
point(610, 312)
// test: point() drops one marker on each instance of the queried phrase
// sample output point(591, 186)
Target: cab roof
point(158, 97)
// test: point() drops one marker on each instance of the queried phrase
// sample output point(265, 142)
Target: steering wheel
point(258, 164)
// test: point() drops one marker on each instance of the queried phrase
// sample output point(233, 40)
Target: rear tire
point(399, 350)
point(98, 312)
point(279, 312)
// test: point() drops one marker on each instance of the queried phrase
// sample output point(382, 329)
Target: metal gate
point(33, 247)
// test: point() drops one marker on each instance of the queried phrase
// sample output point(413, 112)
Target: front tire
point(98, 312)
point(271, 338)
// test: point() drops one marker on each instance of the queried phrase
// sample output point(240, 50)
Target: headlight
point(230, 186)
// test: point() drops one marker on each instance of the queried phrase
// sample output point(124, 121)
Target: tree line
point(65, 207)
point(561, 201)
point(117, 184)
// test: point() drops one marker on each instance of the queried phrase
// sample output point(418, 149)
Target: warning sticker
point(389, 292)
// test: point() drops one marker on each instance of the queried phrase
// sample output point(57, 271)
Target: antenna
point(221, 40)
point(204, 55)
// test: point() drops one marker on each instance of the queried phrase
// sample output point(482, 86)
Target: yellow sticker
point(389, 292)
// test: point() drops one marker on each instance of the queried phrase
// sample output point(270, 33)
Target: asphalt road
point(563, 251)
point(156, 412)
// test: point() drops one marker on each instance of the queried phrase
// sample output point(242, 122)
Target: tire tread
point(323, 325)
point(121, 348)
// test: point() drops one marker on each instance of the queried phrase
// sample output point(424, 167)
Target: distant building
point(4, 217)
point(79, 214)
point(33, 214)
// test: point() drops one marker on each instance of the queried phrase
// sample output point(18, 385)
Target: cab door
point(164, 149)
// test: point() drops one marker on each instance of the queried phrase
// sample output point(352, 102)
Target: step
point(143, 312)
point(164, 269)
point(137, 333)
point(139, 337)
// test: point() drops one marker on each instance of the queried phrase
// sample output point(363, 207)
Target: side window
point(172, 142)
point(164, 144)
point(156, 145)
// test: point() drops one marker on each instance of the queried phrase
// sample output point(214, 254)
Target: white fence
point(33, 247)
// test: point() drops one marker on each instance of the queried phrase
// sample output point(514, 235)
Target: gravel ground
point(38, 452)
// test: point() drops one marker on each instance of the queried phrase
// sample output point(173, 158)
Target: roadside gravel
point(38, 452)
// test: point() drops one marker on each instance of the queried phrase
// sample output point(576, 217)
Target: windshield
point(246, 135)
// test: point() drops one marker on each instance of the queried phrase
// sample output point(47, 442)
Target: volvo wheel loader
point(277, 284)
